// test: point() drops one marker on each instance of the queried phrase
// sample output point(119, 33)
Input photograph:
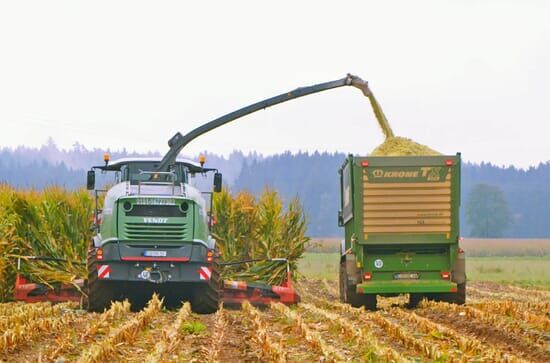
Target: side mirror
point(340, 219)
point(90, 182)
point(217, 182)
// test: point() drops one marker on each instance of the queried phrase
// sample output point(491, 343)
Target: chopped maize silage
point(400, 146)
point(380, 117)
point(395, 145)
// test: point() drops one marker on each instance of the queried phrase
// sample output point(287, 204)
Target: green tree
point(487, 211)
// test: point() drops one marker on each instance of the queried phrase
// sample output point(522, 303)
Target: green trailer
point(401, 221)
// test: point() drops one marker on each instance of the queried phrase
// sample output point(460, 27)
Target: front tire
point(205, 299)
point(100, 293)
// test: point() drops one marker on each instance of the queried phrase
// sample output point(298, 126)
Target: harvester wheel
point(100, 294)
point(206, 298)
point(348, 294)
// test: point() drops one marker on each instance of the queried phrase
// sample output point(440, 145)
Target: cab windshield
point(141, 172)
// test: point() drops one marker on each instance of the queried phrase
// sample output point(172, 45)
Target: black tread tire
point(100, 294)
point(348, 294)
point(460, 296)
point(414, 300)
point(206, 298)
point(370, 302)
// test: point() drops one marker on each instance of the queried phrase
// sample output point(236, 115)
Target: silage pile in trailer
point(400, 146)
point(52, 223)
point(257, 229)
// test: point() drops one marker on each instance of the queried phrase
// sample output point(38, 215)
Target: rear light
point(449, 162)
point(209, 256)
point(364, 164)
point(367, 276)
point(445, 275)
point(99, 254)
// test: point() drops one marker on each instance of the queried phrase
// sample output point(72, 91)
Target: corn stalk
point(313, 338)
point(53, 223)
point(212, 353)
point(171, 336)
point(271, 351)
point(471, 347)
point(539, 304)
point(529, 337)
point(250, 229)
point(106, 349)
point(51, 320)
point(358, 332)
point(515, 311)
point(69, 340)
point(117, 309)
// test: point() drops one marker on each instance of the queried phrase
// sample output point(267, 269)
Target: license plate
point(406, 276)
point(154, 254)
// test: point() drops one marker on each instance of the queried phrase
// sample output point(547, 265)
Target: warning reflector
point(205, 273)
point(103, 271)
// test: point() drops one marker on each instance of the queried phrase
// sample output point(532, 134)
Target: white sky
point(469, 76)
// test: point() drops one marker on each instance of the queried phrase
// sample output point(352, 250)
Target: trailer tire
point(205, 298)
point(370, 301)
point(460, 296)
point(414, 300)
point(348, 294)
point(100, 294)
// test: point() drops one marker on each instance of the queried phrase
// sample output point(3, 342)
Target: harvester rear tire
point(206, 298)
point(348, 293)
point(100, 294)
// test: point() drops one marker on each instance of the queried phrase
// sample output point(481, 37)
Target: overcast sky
point(468, 76)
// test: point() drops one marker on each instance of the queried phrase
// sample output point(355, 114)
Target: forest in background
point(313, 177)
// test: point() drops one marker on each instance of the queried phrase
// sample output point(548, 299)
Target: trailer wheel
point(414, 300)
point(205, 299)
point(100, 294)
point(370, 302)
point(348, 294)
point(460, 296)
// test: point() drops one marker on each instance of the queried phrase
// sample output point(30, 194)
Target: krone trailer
point(401, 223)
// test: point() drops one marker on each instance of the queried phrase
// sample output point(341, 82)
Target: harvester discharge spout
point(179, 141)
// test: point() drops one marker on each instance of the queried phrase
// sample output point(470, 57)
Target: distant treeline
point(311, 177)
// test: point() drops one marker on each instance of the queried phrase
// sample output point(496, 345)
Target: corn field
point(53, 223)
point(259, 229)
point(510, 327)
point(499, 323)
point(56, 223)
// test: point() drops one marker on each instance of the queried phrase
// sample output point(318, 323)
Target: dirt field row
point(499, 323)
